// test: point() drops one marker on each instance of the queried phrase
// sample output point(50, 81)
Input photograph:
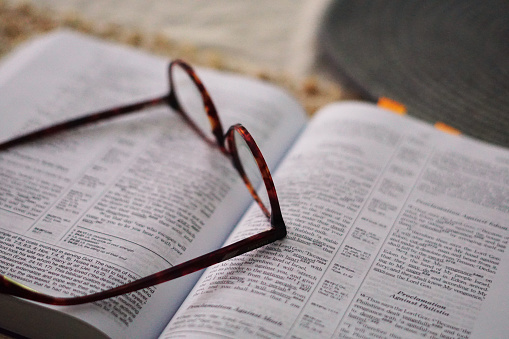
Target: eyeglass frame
point(226, 144)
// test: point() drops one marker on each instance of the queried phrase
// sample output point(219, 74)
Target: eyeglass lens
point(251, 169)
point(191, 100)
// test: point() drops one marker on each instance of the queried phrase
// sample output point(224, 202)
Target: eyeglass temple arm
point(89, 118)
point(9, 286)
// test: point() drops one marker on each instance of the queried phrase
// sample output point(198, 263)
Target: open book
point(395, 229)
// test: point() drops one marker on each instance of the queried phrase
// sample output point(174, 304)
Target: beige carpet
point(244, 44)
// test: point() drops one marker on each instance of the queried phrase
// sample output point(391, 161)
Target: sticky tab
point(446, 128)
point(392, 105)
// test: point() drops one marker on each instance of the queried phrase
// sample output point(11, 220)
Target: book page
point(395, 230)
point(102, 205)
point(492, 321)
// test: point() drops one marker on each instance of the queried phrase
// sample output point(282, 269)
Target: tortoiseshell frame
point(226, 144)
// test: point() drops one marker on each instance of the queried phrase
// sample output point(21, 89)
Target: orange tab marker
point(392, 105)
point(446, 128)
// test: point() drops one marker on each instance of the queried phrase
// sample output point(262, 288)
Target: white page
point(88, 177)
point(492, 321)
point(394, 230)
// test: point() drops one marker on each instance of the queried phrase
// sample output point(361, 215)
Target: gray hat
point(445, 60)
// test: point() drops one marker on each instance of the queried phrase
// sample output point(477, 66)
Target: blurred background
point(444, 60)
point(276, 35)
point(272, 40)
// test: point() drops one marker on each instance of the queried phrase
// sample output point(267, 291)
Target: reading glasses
point(189, 98)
